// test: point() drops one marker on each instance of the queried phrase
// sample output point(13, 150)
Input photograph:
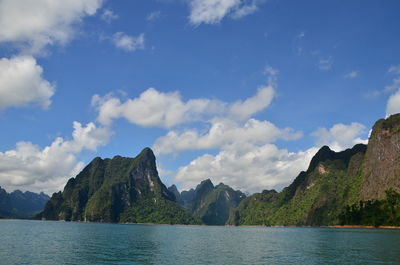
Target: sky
point(243, 92)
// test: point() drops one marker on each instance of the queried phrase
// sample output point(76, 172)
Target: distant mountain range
point(18, 204)
point(356, 186)
point(211, 204)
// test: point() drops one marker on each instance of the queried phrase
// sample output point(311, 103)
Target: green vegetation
point(211, 205)
point(333, 181)
point(391, 122)
point(214, 207)
point(161, 212)
point(316, 197)
point(117, 190)
point(375, 213)
point(327, 193)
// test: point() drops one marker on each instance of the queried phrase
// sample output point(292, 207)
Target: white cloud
point(21, 83)
point(393, 104)
point(340, 136)
point(245, 10)
point(248, 161)
point(128, 43)
point(351, 75)
point(153, 16)
point(325, 64)
point(157, 109)
point(153, 109)
point(247, 167)
point(246, 158)
point(35, 24)
point(223, 132)
point(108, 15)
point(213, 11)
point(243, 109)
point(28, 167)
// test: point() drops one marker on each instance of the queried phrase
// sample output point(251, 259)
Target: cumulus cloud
point(157, 109)
point(243, 109)
point(248, 160)
point(213, 11)
point(153, 109)
point(247, 167)
point(128, 43)
point(108, 15)
point(21, 83)
point(35, 24)
point(28, 167)
point(340, 136)
point(393, 104)
point(223, 132)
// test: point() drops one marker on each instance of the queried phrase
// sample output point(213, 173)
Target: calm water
point(35, 242)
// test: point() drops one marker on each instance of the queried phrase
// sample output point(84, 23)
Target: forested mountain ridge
point(120, 189)
point(337, 187)
point(333, 182)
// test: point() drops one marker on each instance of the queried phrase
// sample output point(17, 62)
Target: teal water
point(36, 242)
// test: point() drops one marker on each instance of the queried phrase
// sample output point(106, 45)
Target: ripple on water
point(36, 242)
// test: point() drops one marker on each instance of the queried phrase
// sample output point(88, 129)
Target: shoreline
point(365, 226)
point(203, 225)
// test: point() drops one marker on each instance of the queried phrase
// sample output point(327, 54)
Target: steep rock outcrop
point(382, 161)
point(120, 189)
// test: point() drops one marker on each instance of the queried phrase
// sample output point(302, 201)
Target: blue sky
point(243, 92)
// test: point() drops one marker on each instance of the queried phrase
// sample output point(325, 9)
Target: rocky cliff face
point(382, 161)
point(117, 190)
point(174, 190)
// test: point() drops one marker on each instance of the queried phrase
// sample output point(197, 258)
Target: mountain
point(333, 182)
point(18, 204)
point(316, 196)
point(174, 190)
point(187, 197)
point(120, 189)
point(210, 203)
point(359, 185)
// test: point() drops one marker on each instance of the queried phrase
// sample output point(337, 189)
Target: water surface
point(37, 242)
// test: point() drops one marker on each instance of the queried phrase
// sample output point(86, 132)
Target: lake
point(41, 242)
